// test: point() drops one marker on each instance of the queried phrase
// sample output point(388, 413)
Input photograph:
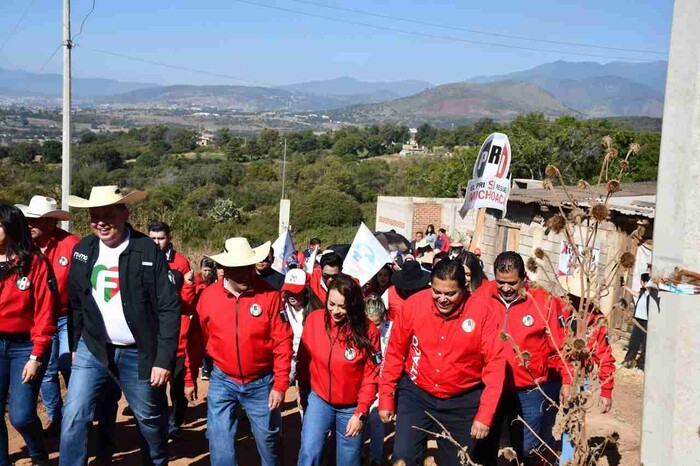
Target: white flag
point(311, 261)
point(365, 257)
point(283, 247)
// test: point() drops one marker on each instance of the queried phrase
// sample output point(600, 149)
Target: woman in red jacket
point(338, 366)
point(27, 323)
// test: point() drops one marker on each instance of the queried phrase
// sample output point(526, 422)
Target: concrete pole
point(66, 168)
point(671, 413)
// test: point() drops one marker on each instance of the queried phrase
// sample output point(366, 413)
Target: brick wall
point(425, 214)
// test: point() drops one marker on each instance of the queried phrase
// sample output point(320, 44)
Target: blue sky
point(271, 46)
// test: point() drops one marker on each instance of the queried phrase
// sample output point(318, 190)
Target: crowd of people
point(430, 341)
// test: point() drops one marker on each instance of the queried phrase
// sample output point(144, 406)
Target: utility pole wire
point(17, 25)
point(437, 36)
point(82, 23)
point(476, 31)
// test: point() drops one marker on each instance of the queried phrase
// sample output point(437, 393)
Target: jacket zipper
point(330, 357)
point(238, 348)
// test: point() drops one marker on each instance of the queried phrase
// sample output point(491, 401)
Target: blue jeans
point(552, 389)
point(531, 406)
point(59, 361)
point(376, 436)
point(22, 400)
point(88, 381)
point(319, 419)
point(222, 399)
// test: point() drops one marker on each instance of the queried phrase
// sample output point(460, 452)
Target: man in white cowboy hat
point(124, 321)
point(56, 244)
point(250, 340)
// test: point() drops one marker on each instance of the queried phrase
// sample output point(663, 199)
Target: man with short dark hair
point(443, 241)
point(530, 321)
point(416, 239)
point(314, 246)
point(124, 320)
point(647, 298)
point(331, 267)
point(266, 272)
point(43, 215)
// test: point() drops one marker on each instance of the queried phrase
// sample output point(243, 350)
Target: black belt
point(112, 345)
point(16, 337)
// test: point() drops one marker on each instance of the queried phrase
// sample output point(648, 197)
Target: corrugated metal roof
point(633, 199)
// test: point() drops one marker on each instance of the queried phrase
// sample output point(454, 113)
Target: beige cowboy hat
point(43, 207)
point(101, 196)
point(572, 284)
point(238, 253)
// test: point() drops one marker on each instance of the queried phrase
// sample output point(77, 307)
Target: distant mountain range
point(584, 89)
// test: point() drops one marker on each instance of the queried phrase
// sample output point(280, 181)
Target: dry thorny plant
point(580, 222)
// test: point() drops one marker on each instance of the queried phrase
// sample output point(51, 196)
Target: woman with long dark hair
point(472, 270)
point(27, 323)
point(338, 366)
point(380, 282)
point(430, 235)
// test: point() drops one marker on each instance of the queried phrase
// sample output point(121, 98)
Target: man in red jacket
point(248, 337)
point(444, 358)
point(529, 324)
point(43, 215)
point(159, 232)
point(331, 266)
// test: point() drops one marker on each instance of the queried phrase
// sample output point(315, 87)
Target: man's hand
point(189, 277)
point(159, 377)
point(479, 430)
point(354, 426)
point(275, 400)
point(30, 371)
point(605, 404)
point(565, 394)
point(386, 416)
point(191, 394)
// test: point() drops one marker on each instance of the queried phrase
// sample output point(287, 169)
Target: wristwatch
point(362, 418)
point(34, 357)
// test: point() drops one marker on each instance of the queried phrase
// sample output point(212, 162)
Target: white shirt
point(640, 309)
point(384, 333)
point(107, 294)
point(296, 319)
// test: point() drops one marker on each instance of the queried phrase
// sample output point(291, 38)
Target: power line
point(178, 67)
point(82, 23)
point(476, 31)
point(17, 25)
point(53, 54)
point(437, 36)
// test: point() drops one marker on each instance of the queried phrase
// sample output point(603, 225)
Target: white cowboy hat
point(238, 253)
point(43, 207)
point(572, 284)
point(101, 196)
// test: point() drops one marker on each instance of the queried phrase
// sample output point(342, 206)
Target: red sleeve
point(281, 334)
point(370, 379)
point(201, 317)
point(606, 362)
point(188, 294)
point(396, 352)
point(445, 246)
point(555, 310)
point(194, 352)
point(45, 310)
point(493, 372)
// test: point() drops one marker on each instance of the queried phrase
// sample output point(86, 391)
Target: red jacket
point(445, 245)
point(526, 321)
point(194, 349)
point(335, 371)
point(27, 304)
point(246, 336)
point(444, 356)
point(395, 303)
point(59, 252)
point(315, 282)
point(597, 340)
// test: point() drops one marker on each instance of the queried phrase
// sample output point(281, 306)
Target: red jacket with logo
point(336, 371)
point(246, 336)
point(316, 285)
point(27, 304)
point(59, 252)
point(597, 340)
point(444, 355)
point(525, 321)
point(395, 303)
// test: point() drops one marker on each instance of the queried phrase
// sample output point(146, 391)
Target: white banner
point(567, 258)
point(311, 261)
point(283, 247)
point(365, 257)
point(490, 186)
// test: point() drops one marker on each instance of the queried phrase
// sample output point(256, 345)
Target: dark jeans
point(88, 381)
point(177, 397)
point(59, 362)
point(638, 341)
point(456, 414)
point(223, 398)
point(529, 404)
point(22, 400)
